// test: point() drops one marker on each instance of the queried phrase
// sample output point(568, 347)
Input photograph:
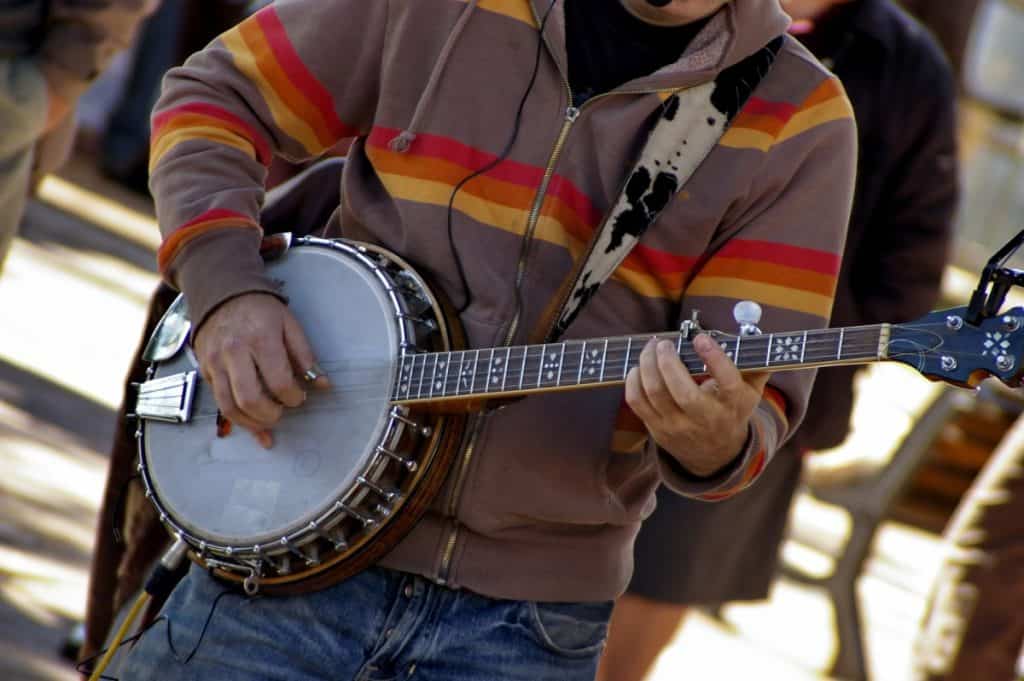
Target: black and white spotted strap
point(691, 124)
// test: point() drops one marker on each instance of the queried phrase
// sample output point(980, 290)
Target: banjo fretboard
point(573, 364)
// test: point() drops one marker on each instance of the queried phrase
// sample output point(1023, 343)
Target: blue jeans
point(377, 626)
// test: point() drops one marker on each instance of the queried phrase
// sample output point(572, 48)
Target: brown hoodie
point(546, 503)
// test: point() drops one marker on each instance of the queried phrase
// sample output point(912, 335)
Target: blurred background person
point(176, 30)
point(950, 21)
point(691, 553)
point(50, 51)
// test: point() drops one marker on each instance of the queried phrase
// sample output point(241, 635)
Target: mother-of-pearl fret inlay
point(403, 386)
point(439, 365)
point(594, 362)
point(497, 369)
point(787, 349)
point(552, 366)
point(466, 373)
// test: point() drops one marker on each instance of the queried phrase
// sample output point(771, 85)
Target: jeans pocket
point(570, 629)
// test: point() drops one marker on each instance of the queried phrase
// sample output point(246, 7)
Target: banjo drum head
point(228, 490)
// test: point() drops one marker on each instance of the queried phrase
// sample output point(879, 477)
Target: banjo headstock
point(944, 346)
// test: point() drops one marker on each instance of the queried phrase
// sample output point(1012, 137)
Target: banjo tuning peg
point(747, 314)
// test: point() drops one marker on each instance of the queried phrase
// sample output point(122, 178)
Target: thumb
point(301, 353)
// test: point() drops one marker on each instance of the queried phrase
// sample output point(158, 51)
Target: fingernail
point(702, 343)
point(666, 347)
point(266, 439)
point(223, 426)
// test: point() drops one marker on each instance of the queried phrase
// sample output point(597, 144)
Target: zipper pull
point(571, 114)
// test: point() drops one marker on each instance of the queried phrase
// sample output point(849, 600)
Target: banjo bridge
point(168, 399)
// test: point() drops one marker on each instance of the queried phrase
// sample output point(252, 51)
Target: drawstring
point(402, 142)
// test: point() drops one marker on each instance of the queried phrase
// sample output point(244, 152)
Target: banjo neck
point(504, 372)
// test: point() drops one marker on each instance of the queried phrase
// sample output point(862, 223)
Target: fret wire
point(423, 373)
point(476, 365)
point(433, 375)
point(768, 354)
point(508, 358)
point(629, 349)
point(803, 348)
point(736, 357)
point(522, 369)
point(489, 381)
point(561, 365)
point(839, 351)
point(412, 375)
point(583, 357)
point(458, 374)
point(604, 358)
point(405, 379)
point(447, 367)
point(540, 367)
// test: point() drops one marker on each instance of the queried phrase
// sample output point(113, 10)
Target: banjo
point(354, 469)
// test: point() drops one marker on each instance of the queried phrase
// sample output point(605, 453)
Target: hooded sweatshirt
point(546, 502)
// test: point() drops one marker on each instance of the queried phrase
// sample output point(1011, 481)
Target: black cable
point(202, 634)
point(83, 666)
point(501, 157)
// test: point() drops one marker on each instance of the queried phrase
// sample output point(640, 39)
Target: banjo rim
point(439, 438)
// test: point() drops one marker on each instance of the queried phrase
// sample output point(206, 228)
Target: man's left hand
point(703, 426)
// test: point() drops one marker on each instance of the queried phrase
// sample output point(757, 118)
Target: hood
point(737, 31)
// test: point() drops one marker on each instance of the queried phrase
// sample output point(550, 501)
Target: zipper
point(572, 114)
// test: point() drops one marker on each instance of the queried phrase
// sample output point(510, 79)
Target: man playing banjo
point(493, 137)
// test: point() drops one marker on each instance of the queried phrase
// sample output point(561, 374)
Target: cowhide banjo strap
point(691, 124)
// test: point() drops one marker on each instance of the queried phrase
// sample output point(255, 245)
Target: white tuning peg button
point(747, 314)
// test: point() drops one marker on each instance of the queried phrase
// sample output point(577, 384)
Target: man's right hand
point(254, 355)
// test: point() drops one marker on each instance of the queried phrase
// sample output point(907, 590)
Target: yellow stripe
point(766, 294)
point(284, 117)
point(514, 9)
point(834, 109)
point(513, 220)
point(746, 138)
point(165, 143)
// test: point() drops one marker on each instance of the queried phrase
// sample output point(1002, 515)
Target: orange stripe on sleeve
point(205, 223)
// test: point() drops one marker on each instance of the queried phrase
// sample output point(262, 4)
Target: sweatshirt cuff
point(217, 267)
point(739, 474)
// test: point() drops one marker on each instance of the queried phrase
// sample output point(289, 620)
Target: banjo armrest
point(168, 399)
